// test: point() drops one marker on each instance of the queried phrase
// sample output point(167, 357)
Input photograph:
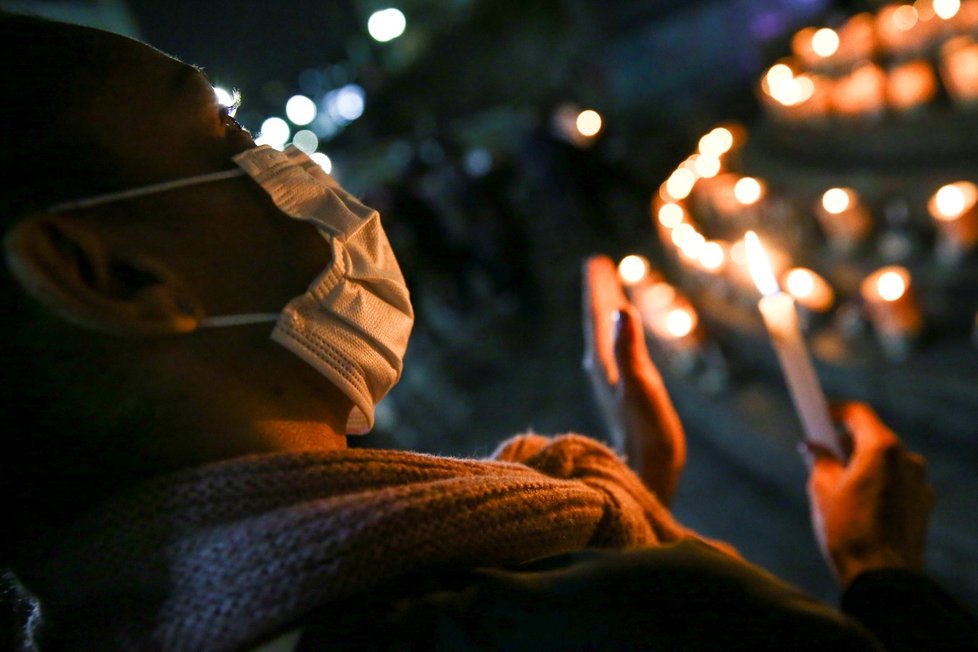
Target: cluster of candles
point(670, 318)
point(834, 72)
point(887, 296)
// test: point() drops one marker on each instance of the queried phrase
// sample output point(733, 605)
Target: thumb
point(824, 469)
point(631, 353)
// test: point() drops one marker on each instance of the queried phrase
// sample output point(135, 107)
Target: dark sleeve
point(908, 611)
point(682, 597)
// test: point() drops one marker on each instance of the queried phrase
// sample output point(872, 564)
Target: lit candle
point(861, 93)
point(911, 85)
point(781, 319)
point(959, 69)
point(580, 128)
point(670, 318)
point(802, 46)
point(899, 29)
point(892, 309)
point(809, 289)
point(636, 274)
point(801, 97)
point(857, 39)
point(843, 218)
point(955, 211)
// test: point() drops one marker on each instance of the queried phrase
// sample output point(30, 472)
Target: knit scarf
point(222, 556)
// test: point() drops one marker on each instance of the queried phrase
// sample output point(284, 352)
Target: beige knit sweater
point(219, 557)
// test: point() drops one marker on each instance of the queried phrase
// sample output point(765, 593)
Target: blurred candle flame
point(759, 265)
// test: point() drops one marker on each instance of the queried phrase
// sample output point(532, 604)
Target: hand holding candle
point(781, 319)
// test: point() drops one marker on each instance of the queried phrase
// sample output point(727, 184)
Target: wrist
point(849, 566)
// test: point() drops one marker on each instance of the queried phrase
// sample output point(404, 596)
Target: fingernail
point(618, 318)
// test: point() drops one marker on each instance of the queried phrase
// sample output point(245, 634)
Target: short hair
point(44, 66)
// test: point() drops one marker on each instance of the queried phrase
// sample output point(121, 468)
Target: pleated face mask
point(353, 322)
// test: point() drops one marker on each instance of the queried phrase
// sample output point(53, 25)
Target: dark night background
point(491, 215)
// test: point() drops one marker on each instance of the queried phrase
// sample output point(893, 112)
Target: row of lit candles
point(897, 29)
point(868, 89)
point(886, 293)
point(843, 216)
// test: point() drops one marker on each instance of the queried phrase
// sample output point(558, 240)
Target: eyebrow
point(185, 73)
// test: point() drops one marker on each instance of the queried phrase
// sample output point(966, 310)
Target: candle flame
point(588, 123)
point(947, 9)
point(905, 18)
point(836, 200)
point(671, 215)
point(748, 191)
point(759, 265)
point(891, 285)
point(680, 183)
point(712, 256)
point(680, 322)
point(953, 200)
point(800, 283)
point(633, 269)
point(825, 42)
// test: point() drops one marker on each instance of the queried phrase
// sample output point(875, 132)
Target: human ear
point(72, 267)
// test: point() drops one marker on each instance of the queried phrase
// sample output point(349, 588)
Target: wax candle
point(959, 69)
point(911, 85)
point(857, 39)
point(892, 309)
point(899, 29)
point(843, 218)
point(781, 319)
point(861, 93)
point(803, 47)
point(954, 208)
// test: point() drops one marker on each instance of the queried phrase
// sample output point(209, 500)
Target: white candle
point(781, 319)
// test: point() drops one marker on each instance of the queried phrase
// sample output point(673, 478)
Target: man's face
point(156, 115)
point(157, 119)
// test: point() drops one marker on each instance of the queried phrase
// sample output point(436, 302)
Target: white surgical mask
point(353, 322)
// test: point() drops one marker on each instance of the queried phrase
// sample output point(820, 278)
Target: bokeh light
point(891, 285)
point(274, 132)
point(386, 25)
point(306, 140)
point(680, 322)
point(707, 166)
point(671, 215)
point(322, 161)
point(301, 110)
point(905, 18)
point(681, 235)
point(589, 123)
point(825, 42)
point(954, 199)
point(748, 191)
point(947, 9)
point(800, 283)
point(633, 269)
point(680, 183)
point(836, 200)
point(346, 103)
point(712, 257)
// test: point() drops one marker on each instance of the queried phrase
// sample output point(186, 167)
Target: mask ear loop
point(111, 197)
point(225, 321)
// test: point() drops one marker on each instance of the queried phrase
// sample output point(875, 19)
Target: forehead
point(152, 113)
